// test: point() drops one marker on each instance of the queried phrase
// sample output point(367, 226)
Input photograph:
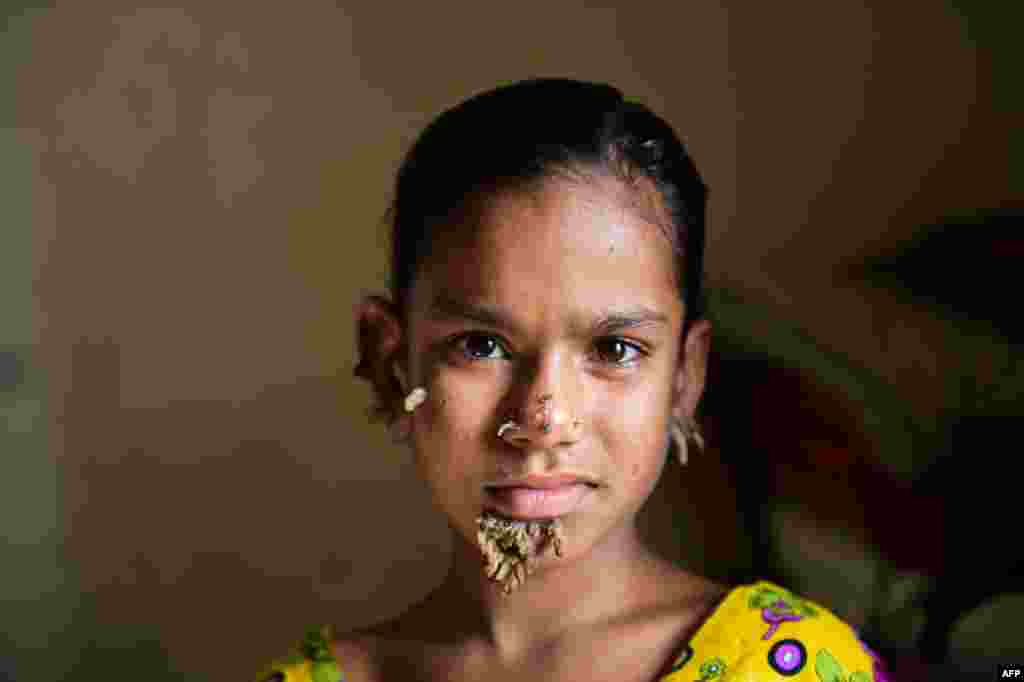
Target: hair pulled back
point(533, 130)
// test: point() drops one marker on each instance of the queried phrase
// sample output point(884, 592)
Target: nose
point(549, 412)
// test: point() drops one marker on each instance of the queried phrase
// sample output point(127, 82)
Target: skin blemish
point(543, 413)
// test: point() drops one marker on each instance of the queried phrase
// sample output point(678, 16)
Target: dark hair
point(530, 131)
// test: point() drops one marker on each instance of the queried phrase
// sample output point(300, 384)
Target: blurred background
point(193, 200)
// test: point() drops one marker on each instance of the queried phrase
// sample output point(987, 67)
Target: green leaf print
point(326, 671)
point(712, 670)
point(766, 597)
point(829, 670)
point(316, 645)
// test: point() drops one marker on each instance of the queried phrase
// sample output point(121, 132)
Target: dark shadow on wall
point(796, 438)
point(966, 269)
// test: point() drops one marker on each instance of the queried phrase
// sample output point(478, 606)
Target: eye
point(617, 346)
point(475, 346)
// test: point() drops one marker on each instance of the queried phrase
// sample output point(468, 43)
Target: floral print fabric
point(758, 633)
point(763, 632)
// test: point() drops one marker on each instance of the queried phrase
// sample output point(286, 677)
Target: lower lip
point(537, 503)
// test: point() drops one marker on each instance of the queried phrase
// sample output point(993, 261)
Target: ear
point(692, 369)
point(380, 341)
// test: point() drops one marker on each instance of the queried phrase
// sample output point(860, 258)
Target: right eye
point(475, 346)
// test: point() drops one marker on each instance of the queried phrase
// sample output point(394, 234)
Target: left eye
point(478, 342)
point(617, 347)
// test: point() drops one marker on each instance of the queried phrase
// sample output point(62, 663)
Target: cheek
point(645, 461)
point(453, 415)
point(448, 434)
point(641, 438)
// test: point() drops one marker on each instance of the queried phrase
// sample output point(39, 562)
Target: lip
point(538, 503)
point(545, 482)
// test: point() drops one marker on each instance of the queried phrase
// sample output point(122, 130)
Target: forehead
point(587, 243)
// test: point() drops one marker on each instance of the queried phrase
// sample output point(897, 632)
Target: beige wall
point(210, 185)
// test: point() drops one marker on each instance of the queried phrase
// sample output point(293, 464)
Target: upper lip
point(543, 482)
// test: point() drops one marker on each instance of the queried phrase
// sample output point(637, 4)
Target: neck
point(563, 595)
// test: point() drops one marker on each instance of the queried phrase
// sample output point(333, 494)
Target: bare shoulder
point(708, 593)
point(699, 599)
point(684, 603)
point(366, 653)
point(682, 592)
point(664, 629)
point(409, 646)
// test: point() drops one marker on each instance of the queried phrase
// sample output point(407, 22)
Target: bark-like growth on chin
point(510, 547)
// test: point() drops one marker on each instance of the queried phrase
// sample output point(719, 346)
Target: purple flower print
point(775, 615)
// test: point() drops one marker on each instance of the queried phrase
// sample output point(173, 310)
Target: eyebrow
point(444, 308)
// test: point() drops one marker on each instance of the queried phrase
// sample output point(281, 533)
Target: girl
point(543, 351)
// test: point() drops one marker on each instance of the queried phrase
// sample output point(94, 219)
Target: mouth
point(547, 482)
point(527, 502)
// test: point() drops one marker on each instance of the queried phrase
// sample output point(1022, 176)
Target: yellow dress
point(757, 633)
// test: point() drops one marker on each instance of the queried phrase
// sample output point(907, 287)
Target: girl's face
point(510, 308)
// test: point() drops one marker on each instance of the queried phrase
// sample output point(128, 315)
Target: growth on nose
point(543, 417)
